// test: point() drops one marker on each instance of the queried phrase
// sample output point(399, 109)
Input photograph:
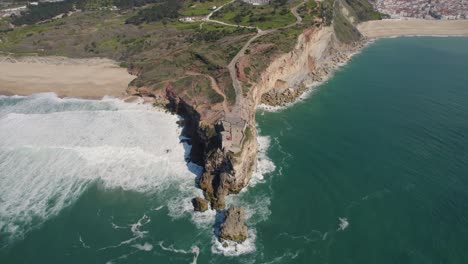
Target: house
point(257, 2)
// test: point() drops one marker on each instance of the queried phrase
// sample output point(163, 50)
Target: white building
point(257, 2)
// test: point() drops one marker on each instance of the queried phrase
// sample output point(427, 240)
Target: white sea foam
point(343, 224)
point(52, 149)
point(83, 244)
point(144, 247)
point(264, 163)
point(158, 208)
point(135, 228)
point(286, 256)
point(231, 248)
point(193, 250)
point(137, 233)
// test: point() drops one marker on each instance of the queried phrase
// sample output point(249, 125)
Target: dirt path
point(232, 65)
point(214, 86)
point(238, 114)
point(208, 18)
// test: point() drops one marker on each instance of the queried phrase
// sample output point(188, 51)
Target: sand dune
point(87, 78)
point(394, 27)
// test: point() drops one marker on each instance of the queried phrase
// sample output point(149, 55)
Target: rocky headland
point(227, 168)
point(217, 88)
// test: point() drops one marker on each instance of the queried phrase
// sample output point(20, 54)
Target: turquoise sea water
point(372, 168)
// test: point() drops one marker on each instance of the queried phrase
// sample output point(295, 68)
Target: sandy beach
point(420, 27)
point(86, 78)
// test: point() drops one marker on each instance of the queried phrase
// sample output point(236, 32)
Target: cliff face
point(227, 172)
point(317, 54)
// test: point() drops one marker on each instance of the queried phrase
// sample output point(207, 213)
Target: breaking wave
point(264, 164)
point(52, 149)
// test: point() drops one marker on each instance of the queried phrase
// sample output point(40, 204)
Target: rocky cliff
point(317, 54)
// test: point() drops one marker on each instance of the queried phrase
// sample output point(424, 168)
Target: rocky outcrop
point(200, 204)
point(316, 55)
point(224, 172)
point(233, 227)
point(227, 173)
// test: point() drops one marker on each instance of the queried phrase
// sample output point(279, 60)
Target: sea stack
point(233, 227)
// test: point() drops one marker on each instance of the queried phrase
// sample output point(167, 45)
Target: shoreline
point(413, 27)
point(312, 87)
point(91, 78)
point(369, 38)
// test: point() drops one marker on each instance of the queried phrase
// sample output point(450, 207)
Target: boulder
point(233, 227)
point(200, 204)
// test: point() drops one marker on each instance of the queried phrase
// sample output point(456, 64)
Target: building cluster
point(257, 2)
point(427, 9)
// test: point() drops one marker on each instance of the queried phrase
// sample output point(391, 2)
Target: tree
point(238, 19)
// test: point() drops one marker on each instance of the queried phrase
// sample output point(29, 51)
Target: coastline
point(371, 31)
point(67, 77)
point(311, 87)
point(289, 78)
point(413, 27)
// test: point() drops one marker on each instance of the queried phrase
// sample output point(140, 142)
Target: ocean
point(371, 167)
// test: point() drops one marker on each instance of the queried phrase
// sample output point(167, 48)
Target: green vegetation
point(96, 4)
point(326, 12)
point(161, 54)
point(345, 31)
point(264, 16)
point(196, 86)
point(200, 7)
point(230, 94)
point(268, 47)
point(248, 134)
point(309, 12)
point(43, 11)
point(213, 32)
point(48, 10)
point(163, 10)
point(127, 4)
point(364, 10)
point(164, 52)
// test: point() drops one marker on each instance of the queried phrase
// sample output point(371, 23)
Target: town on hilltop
point(427, 9)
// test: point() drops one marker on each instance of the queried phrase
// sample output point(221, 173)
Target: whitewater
point(52, 149)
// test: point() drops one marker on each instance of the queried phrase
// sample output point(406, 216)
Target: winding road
point(237, 109)
point(238, 115)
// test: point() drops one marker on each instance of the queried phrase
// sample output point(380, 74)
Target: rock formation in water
point(227, 168)
point(233, 227)
point(200, 204)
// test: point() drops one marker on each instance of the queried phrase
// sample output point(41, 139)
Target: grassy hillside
point(363, 10)
point(161, 53)
point(147, 37)
point(264, 16)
